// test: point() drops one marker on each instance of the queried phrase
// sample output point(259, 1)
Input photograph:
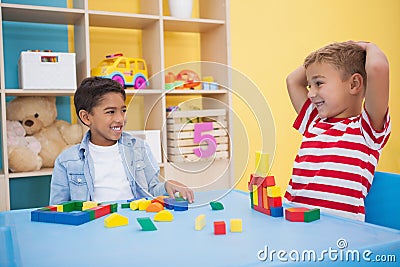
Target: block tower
point(265, 196)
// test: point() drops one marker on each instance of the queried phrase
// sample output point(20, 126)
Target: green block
point(180, 199)
point(251, 200)
point(215, 205)
point(146, 224)
point(69, 206)
point(44, 209)
point(92, 214)
point(125, 205)
point(311, 215)
point(113, 207)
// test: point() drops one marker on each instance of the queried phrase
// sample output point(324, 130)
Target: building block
point(155, 207)
point(276, 211)
point(159, 199)
point(52, 208)
point(265, 203)
point(72, 206)
point(200, 222)
point(163, 216)
point(236, 225)
point(274, 191)
point(262, 164)
point(255, 195)
point(169, 203)
point(268, 181)
point(60, 208)
point(312, 215)
point(254, 180)
point(219, 228)
point(91, 214)
point(181, 205)
point(125, 205)
point(260, 194)
point(100, 211)
point(262, 210)
point(115, 220)
point(251, 200)
point(35, 216)
point(274, 201)
point(215, 205)
point(144, 204)
point(88, 205)
point(134, 204)
point(77, 218)
point(146, 224)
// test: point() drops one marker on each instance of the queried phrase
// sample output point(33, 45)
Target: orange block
point(155, 207)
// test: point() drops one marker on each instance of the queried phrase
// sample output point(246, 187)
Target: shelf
point(22, 92)
point(120, 20)
point(41, 172)
point(40, 14)
point(190, 25)
point(197, 92)
point(144, 92)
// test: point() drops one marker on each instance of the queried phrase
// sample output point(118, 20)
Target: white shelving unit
point(212, 26)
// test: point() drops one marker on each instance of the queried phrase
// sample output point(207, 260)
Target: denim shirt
point(73, 171)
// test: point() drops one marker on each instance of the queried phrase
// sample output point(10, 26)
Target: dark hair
point(91, 91)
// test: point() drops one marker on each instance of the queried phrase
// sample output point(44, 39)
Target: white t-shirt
point(110, 181)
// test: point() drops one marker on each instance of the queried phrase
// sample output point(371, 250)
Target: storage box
point(47, 70)
point(181, 131)
point(152, 137)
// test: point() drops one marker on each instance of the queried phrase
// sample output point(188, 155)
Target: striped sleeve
point(306, 115)
point(375, 139)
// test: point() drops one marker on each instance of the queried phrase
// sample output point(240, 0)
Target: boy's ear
point(84, 116)
point(356, 83)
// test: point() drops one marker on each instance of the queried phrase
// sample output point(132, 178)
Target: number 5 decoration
point(199, 128)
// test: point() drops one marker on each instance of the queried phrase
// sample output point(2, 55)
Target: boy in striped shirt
point(341, 95)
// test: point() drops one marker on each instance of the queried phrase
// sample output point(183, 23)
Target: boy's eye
point(318, 83)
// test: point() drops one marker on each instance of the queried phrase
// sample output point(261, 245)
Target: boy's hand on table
point(172, 186)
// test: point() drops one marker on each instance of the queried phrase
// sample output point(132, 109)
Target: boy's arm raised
point(296, 83)
point(377, 89)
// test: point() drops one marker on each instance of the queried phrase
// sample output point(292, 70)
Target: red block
point(254, 180)
point(219, 228)
point(295, 214)
point(268, 181)
point(275, 202)
point(260, 196)
point(100, 211)
point(262, 210)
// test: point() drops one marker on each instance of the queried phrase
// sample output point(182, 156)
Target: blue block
point(72, 218)
point(35, 216)
point(276, 211)
point(46, 216)
point(181, 205)
point(169, 203)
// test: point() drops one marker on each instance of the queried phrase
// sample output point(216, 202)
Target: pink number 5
point(208, 138)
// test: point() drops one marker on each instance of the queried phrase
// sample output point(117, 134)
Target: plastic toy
point(299, 214)
point(129, 72)
point(215, 205)
point(219, 228)
point(146, 224)
point(115, 220)
point(163, 216)
point(200, 222)
point(185, 79)
point(236, 225)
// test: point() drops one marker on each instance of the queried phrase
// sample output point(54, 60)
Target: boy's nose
point(311, 92)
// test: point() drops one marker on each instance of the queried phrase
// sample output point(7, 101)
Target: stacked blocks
point(302, 214)
point(265, 196)
point(176, 204)
point(72, 213)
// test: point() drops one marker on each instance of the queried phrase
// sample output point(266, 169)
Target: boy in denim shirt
point(108, 164)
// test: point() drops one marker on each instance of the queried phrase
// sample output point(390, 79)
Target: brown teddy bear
point(38, 114)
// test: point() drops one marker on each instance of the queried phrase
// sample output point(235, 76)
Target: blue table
point(265, 241)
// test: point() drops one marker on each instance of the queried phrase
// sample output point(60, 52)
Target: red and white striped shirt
point(335, 165)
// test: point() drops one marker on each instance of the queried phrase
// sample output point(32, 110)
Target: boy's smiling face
point(107, 119)
point(329, 92)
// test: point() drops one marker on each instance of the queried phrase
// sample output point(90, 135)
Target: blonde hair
point(347, 57)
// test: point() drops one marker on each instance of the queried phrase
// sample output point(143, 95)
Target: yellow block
point(200, 222)
point(60, 208)
point(236, 225)
point(163, 216)
point(115, 220)
point(144, 204)
point(255, 195)
point(262, 164)
point(89, 204)
point(134, 205)
point(274, 191)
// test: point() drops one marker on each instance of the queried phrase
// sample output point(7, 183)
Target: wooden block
point(262, 210)
point(115, 220)
point(219, 228)
point(215, 205)
point(144, 204)
point(275, 201)
point(146, 224)
point(236, 225)
point(295, 214)
point(264, 198)
point(163, 216)
point(155, 207)
point(268, 181)
point(262, 164)
point(276, 211)
point(312, 215)
point(255, 195)
point(89, 204)
point(200, 222)
point(274, 191)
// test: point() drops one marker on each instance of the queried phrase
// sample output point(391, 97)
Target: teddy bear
point(23, 151)
point(38, 117)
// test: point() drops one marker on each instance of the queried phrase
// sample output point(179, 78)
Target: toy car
point(129, 72)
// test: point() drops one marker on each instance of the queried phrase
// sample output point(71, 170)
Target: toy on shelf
point(185, 79)
point(129, 72)
point(209, 84)
point(265, 196)
point(72, 213)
